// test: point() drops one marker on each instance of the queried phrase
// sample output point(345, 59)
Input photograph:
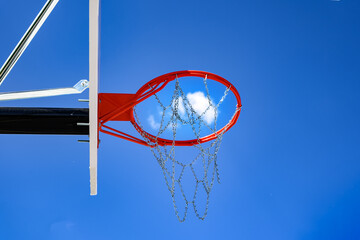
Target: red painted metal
point(119, 107)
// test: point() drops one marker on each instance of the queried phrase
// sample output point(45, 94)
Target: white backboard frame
point(94, 43)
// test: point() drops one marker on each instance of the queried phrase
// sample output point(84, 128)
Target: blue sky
point(289, 169)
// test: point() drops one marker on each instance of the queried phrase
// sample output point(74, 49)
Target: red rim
point(152, 88)
point(162, 81)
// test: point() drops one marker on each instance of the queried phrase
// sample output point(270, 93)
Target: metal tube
point(54, 121)
point(26, 39)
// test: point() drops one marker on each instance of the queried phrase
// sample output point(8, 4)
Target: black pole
point(56, 121)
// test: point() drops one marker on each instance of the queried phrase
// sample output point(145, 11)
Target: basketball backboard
point(94, 42)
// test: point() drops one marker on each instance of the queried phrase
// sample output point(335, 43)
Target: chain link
point(207, 154)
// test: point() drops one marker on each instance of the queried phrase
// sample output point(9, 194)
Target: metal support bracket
point(76, 89)
point(26, 39)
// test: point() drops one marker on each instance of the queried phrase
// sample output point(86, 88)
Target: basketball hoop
point(122, 107)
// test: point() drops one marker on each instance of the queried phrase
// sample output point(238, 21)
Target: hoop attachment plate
point(110, 102)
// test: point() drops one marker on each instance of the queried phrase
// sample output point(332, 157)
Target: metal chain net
point(206, 153)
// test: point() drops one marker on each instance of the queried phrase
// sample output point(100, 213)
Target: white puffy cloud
point(199, 103)
point(153, 124)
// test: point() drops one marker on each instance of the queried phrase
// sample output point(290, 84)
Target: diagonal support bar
point(76, 89)
point(26, 39)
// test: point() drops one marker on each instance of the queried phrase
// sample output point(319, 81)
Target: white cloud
point(160, 111)
point(199, 103)
point(153, 124)
point(181, 107)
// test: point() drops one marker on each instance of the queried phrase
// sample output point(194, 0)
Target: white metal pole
point(94, 41)
point(78, 88)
